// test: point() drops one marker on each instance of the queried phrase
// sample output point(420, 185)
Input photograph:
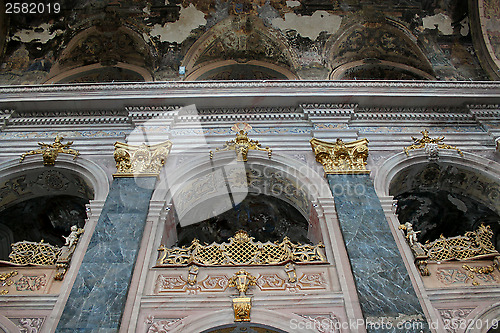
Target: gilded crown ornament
point(431, 145)
point(341, 157)
point(143, 160)
point(50, 151)
point(242, 144)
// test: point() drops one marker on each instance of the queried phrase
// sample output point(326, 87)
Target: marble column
point(382, 280)
point(98, 296)
point(386, 295)
point(97, 299)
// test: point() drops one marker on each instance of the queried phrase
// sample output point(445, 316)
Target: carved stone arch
point(307, 178)
point(484, 22)
point(449, 196)
point(486, 318)
point(188, 185)
point(233, 70)
point(93, 175)
point(386, 173)
point(8, 326)
point(241, 39)
point(109, 53)
point(273, 319)
point(388, 70)
point(378, 44)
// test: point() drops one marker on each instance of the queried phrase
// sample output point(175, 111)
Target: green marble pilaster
point(97, 298)
point(382, 280)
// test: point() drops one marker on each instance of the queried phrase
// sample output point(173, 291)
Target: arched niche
point(38, 202)
point(450, 196)
point(243, 327)
point(489, 320)
point(272, 320)
point(203, 183)
point(484, 22)
point(375, 69)
point(377, 49)
point(234, 70)
point(4, 24)
point(240, 41)
point(104, 53)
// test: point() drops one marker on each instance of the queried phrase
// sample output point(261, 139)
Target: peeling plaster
point(309, 26)
point(440, 21)
point(30, 35)
point(190, 18)
point(292, 3)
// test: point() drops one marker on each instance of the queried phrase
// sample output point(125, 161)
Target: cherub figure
point(73, 236)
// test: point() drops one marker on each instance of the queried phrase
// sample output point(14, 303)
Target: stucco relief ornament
point(431, 145)
point(242, 144)
point(50, 152)
point(341, 157)
point(242, 304)
point(5, 281)
point(143, 160)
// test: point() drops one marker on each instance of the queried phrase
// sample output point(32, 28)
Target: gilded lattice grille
point(241, 250)
point(471, 245)
point(209, 255)
point(241, 253)
point(26, 253)
point(274, 254)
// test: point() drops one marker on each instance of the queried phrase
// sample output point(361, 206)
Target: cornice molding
point(252, 84)
point(414, 113)
point(69, 117)
point(248, 94)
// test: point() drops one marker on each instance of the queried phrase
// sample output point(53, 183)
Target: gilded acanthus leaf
point(340, 157)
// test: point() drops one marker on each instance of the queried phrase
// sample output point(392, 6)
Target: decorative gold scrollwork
point(242, 304)
point(242, 144)
point(43, 254)
point(241, 250)
point(5, 281)
point(50, 152)
point(143, 160)
point(340, 157)
point(425, 141)
point(473, 245)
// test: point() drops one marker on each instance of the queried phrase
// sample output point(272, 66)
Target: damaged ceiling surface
point(161, 40)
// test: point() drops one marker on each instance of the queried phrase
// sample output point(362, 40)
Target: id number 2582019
point(32, 8)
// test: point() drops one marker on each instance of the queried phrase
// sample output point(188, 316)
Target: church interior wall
point(195, 73)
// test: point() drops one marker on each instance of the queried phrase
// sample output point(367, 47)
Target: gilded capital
point(143, 160)
point(341, 157)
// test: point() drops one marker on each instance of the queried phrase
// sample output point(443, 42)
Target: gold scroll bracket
point(50, 151)
point(242, 304)
point(242, 144)
point(140, 161)
point(341, 157)
point(430, 144)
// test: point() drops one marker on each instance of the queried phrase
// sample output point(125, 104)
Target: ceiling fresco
point(308, 39)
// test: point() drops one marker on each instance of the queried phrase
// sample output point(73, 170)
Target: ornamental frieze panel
point(28, 281)
point(219, 282)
